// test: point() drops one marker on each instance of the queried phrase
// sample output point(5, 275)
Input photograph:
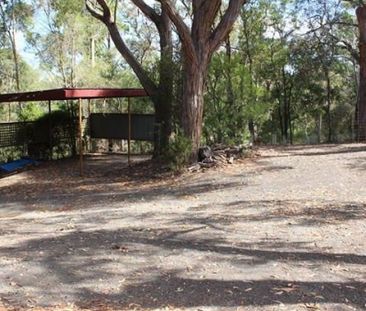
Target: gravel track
point(283, 231)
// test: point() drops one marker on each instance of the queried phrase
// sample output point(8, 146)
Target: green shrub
point(178, 152)
point(9, 154)
point(52, 135)
point(30, 112)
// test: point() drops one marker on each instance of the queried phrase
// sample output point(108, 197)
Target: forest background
point(288, 72)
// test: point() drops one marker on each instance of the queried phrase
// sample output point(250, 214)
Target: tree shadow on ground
point(172, 288)
point(104, 240)
point(55, 185)
point(299, 212)
point(40, 197)
point(266, 166)
point(76, 257)
point(358, 164)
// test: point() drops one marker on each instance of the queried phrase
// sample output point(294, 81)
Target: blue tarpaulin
point(17, 165)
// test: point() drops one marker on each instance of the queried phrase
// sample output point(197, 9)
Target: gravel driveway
point(283, 231)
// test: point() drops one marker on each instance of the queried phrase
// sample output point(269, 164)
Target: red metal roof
point(71, 93)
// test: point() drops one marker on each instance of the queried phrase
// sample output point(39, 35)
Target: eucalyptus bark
point(361, 100)
point(199, 42)
point(163, 101)
point(16, 61)
point(9, 28)
point(320, 125)
point(285, 107)
point(193, 101)
point(251, 126)
point(328, 107)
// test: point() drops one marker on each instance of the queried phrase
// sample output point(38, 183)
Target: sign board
point(115, 126)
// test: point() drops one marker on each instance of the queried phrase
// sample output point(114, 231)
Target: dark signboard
point(115, 126)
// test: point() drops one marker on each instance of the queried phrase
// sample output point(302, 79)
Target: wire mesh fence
point(360, 132)
point(21, 133)
point(14, 134)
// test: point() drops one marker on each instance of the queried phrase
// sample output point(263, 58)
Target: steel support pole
point(81, 160)
point(129, 131)
point(50, 128)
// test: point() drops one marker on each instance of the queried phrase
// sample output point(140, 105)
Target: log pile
point(219, 155)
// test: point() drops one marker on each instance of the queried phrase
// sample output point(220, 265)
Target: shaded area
point(357, 164)
point(108, 178)
point(140, 238)
point(265, 166)
point(171, 287)
point(172, 290)
point(300, 212)
point(170, 240)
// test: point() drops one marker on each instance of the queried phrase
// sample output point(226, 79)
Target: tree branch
point(92, 10)
point(204, 13)
point(227, 22)
point(148, 11)
point(346, 24)
point(120, 44)
point(347, 46)
point(182, 29)
point(106, 9)
point(355, 54)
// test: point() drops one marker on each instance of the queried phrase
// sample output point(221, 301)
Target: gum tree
point(361, 101)
point(15, 16)
point(209, 27)
point(208, 24)
point(161, 91)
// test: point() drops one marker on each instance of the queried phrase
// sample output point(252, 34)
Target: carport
point(79, 94)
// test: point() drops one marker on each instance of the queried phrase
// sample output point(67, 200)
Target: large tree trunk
point(361, 101)
point(280, 119)
point(285, 113)
point(163, 101)
point(192, 108)
point(13, 42)
point(163, 120)
point(199, 41)
point(320, 125)
point(329, 104)
point(290, 123)
point(229, 82)
point(16, 62)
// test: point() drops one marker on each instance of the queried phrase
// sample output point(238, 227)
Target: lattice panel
point(19, 133)
point(13, 134)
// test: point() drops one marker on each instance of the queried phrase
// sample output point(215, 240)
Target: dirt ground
point(283, 231)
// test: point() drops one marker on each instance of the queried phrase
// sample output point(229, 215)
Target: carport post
point(129, 131)
point(81, 164)
point(50, 128)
